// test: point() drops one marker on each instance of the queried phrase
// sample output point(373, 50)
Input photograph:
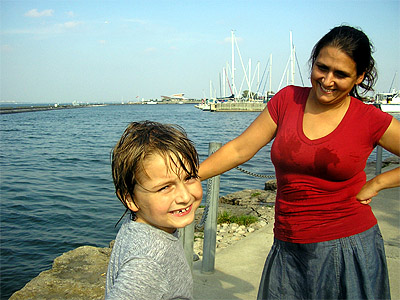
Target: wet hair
point(141, 140)
point(358, 47)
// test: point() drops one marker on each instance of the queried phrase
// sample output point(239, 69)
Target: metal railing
point(378, 166)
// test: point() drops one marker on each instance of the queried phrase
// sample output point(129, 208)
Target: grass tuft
point(226, 217)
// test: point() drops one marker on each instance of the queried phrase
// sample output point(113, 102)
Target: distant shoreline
point(21, 109)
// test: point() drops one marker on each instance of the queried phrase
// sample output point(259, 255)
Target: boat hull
point(390, 108)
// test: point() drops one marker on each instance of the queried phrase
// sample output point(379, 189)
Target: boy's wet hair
point(143, 139)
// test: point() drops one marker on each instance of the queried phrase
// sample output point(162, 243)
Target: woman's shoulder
point(293, 92)
point(296, 89)
point(291, 95)
point(369, 116)
point(370, 109)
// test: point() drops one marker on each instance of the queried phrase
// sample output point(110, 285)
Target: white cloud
point(34, 13)
point(70, 14)
point(71, 24)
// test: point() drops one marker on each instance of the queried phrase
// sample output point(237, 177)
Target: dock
point(237, 106)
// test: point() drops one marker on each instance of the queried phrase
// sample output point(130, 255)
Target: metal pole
point(378, 167)
point(210, 227)
point(187, 239)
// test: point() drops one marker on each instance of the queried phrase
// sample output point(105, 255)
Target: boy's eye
point(164, 188)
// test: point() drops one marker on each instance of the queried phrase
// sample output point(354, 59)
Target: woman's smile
point(328, 91)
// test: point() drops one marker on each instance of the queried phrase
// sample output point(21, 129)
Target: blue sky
point(109, 51)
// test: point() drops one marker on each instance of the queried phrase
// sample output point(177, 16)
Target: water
point(56, 187)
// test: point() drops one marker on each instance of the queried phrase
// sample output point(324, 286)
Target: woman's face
point(333, 76)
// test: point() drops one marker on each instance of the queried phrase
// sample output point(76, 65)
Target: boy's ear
point(130, 203)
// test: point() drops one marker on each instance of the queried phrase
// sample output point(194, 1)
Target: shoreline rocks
point(81, 272)
point(257, 203)
point(76, 274)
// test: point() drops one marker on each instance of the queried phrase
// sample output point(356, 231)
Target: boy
point(154, 168)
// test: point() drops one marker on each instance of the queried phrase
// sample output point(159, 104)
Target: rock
point(270, 185)
point(77, 274)
point(391, 160)
point(249, 197)
point(370, 168)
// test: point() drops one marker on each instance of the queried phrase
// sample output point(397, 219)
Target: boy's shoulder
point(142, 239)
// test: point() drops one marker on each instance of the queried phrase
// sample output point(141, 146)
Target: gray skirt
point(348, 268)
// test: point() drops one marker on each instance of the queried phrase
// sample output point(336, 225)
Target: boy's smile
point(165, 196)
point(182, 212)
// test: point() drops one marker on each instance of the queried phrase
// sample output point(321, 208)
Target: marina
point(388, 102)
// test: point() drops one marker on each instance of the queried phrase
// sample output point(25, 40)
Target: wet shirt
point(318, 180)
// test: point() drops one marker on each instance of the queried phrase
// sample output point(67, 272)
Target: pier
point(237, 106)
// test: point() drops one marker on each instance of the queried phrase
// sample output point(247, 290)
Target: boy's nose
point(183, 195)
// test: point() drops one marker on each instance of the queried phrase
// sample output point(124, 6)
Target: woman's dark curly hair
point(358, 47)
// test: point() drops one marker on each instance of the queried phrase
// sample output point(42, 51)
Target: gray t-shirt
point(147, 263)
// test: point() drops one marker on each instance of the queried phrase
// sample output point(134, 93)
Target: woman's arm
point(240, 149)
point(391, 142)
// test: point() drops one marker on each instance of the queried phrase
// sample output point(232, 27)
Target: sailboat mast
point(291, 58)
point(223, 82)
point(211, 90)
point(270, 73)
point(233, 62)
point(258, 77)
point(250, 97)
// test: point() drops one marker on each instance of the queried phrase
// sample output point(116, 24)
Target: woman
point(327, 242)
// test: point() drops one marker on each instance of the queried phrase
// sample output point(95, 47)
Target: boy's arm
point(138, 278)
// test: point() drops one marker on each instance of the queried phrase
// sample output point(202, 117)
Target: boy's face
point(166, 197)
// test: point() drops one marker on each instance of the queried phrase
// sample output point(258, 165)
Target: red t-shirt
point(318, 180)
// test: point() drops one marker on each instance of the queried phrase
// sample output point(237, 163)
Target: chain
point(254, 174)
point(207, 206)
point(208, 200)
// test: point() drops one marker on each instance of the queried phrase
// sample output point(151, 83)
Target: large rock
point(77, 274)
